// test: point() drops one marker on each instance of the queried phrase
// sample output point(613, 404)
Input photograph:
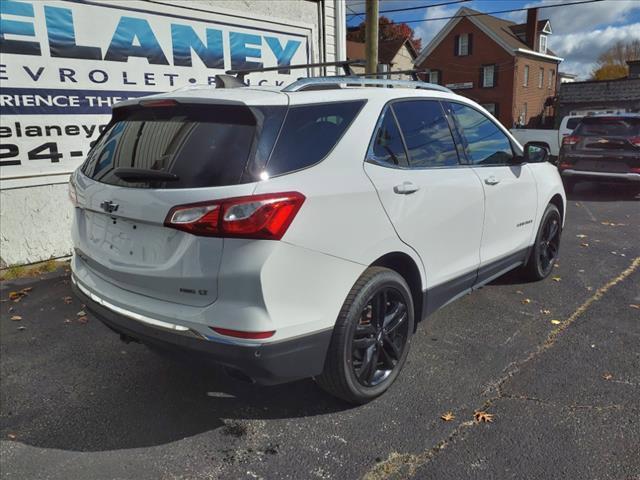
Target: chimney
point(532, 29)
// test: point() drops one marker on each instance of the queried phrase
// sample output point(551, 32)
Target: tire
point(362, 362)
point(544, 252)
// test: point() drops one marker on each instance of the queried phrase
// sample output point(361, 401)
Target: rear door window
point(201, 146)
point(387, 148)
point(426, 133)
point(309, 133)
point(609, 126)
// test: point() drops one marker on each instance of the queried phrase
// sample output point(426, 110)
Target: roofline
point(538, 54)
point(449, 26)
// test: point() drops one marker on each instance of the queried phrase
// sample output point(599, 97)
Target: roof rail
point(413, 72)
point(344, 64)
point(319, 82)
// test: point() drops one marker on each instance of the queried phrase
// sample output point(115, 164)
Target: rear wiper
point(141, 174)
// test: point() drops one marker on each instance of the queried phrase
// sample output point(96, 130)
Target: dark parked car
point(602, 148)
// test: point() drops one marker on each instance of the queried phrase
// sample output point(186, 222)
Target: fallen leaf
point(633, 305)
point(16, 318)
point(447, 417)
point(545, 311)
point(11, 436)
point(21, 328)
point(81, 313)
point(26, 290)
point(519, 292)
point(482, 416)
point(67, 300)
point(526, 301)
point(581, 235)
point(607, 376)
point(556, 322)
point(584, 244)
point(83, 319)
point(589, 288)
point(66, 320)
point(556, 279)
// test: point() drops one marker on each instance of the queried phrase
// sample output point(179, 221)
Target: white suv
point(305, 231)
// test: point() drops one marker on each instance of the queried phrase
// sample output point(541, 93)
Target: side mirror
point(536, 152)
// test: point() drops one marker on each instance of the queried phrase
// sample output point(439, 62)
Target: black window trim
point(463, 139)
point(388, 105)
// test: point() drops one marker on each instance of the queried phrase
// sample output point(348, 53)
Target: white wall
point(34, 224)
point(35, 220)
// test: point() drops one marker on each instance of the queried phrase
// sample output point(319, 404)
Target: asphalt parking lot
point(557, 364)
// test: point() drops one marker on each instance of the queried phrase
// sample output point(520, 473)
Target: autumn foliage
point(387, 30)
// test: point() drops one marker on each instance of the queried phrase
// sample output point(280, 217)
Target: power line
point(498, 11)
point(406, 9)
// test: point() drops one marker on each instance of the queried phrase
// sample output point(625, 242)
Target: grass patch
point(24, 271)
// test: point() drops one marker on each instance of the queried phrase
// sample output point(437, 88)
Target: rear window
point(609, 126)
point(573, 122)
point(202, 146)
point(309, 133)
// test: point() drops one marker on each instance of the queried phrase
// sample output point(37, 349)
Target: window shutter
point(440, 82)
point(456, 42)
point(495, 76)
point(470, 40)
point(481, 84)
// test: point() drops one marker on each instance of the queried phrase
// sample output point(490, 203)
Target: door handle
point(406, 188)
point(491, 180)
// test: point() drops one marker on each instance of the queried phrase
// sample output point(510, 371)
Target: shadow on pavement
point(604, 192)
point(77, 387)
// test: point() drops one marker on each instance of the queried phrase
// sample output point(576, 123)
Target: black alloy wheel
point(549, 243)
point(544, 253)
point(380, 337)
point(371, 337)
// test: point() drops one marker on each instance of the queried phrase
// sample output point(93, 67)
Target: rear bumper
point(590, 175)
point(265, 363)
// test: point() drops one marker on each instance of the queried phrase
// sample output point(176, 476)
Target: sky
point(580, 32)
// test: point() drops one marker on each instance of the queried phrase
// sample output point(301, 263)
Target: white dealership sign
point(64, 64)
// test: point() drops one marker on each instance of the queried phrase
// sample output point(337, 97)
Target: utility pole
point(371, 36)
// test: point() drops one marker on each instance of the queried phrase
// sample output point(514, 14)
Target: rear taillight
point(564, 165)
point(243, 334)
point(635, 141)
point(257, 216)
point(73, 194)
point(570, 140)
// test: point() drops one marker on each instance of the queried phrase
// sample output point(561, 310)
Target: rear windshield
point(214, 145)
point(202, 146)
point(609, 126)
point(573, 122)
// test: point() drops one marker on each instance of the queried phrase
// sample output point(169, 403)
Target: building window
point(543, 44)
point(492, 108)
point(523, 120)
point(552, 75)
point(541, 78)
point(488, 76)
point(434, 76)
point(463, 44)
point(526, 76)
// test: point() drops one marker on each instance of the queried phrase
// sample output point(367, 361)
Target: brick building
point(506, 67)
